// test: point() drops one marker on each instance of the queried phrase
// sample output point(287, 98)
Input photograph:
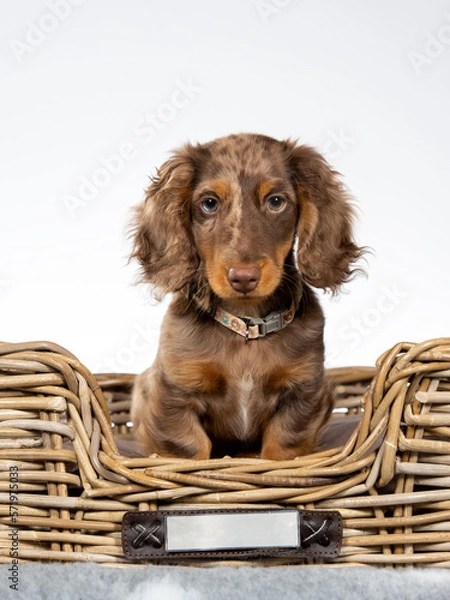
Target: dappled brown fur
point(247, 223)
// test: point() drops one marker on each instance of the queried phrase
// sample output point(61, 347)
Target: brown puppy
point(238, 229)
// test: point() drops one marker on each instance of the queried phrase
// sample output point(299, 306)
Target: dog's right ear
point(160, 229)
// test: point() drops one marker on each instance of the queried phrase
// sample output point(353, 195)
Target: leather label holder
point(233, 533)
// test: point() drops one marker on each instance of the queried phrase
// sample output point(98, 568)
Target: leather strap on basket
point(231, 533)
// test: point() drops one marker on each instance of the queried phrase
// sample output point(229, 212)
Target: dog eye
point(210, 205)
point(276, 203)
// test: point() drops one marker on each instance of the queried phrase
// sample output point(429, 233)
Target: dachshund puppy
point(238, 230)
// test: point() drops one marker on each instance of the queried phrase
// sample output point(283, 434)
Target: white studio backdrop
point(95, 93)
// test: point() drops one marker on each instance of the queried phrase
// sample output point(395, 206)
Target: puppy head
point(244, 212)
point(224, 216)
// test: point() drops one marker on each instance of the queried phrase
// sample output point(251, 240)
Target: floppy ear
point(326, 251)
point(163, 242)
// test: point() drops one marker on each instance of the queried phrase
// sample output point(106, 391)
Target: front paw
point(273, 450)
point(198, 448)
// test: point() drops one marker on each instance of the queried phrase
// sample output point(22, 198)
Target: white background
point(82, 82)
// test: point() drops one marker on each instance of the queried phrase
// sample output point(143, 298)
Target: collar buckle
point(272, 323)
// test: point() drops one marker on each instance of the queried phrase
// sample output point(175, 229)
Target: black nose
point(244, 279)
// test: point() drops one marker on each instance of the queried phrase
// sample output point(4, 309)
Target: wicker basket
point(65, 486)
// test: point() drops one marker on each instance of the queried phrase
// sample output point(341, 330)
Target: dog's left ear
point(326, 251)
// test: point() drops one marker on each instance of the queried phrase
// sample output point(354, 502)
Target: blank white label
point(278, 529)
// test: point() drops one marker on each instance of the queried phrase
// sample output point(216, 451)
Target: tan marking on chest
point(198, 375)
point(289, 375)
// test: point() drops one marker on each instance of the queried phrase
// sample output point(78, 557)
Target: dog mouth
point(249, 299)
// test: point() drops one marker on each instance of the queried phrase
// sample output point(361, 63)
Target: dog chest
point(245, 388)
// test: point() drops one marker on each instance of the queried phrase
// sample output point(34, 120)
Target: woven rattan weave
point(65, 486)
